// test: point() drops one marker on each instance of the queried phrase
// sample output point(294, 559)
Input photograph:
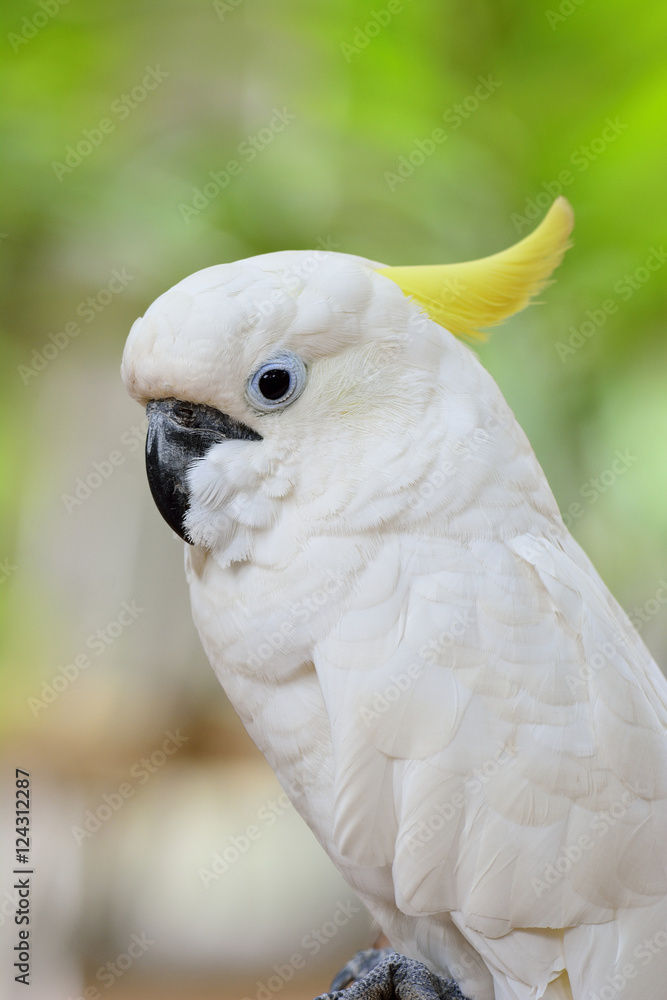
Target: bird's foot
point(386, 975)
point(359, 966)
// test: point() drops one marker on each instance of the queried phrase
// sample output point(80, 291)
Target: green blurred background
point(402, 131)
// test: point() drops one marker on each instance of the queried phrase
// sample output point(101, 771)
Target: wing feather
point(506, 731)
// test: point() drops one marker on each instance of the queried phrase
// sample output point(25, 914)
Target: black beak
point(178, 434)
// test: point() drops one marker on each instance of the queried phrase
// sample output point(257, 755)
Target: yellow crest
point(466, 298)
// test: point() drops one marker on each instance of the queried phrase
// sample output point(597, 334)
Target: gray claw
point(359, 966)
point(386, 975)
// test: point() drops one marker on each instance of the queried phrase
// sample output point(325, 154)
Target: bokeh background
point(404, 131)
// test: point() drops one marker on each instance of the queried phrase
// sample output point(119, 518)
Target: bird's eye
point(277, 383)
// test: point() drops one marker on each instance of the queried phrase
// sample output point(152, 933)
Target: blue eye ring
point(277, 382)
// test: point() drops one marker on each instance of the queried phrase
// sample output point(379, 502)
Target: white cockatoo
point(383, 583)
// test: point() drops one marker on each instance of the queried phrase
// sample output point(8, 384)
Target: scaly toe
point(390, 977)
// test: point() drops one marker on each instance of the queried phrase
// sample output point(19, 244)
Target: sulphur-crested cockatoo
point(383, 583)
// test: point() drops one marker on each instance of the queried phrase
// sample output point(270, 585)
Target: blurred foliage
point(366, 85)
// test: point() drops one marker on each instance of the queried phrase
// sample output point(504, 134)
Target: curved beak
point(179, 433)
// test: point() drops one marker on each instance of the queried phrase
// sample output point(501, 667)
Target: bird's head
point(280, 386)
